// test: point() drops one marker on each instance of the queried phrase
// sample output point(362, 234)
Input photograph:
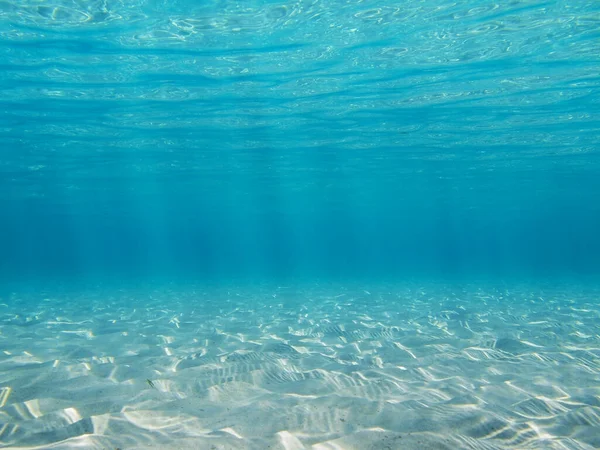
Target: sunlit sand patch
point(395, 366)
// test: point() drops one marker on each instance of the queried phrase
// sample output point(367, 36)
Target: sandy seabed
point(318, 367)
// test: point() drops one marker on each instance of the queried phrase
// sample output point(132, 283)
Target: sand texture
point(321, 367)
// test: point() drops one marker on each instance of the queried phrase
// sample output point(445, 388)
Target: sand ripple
point(323, 367)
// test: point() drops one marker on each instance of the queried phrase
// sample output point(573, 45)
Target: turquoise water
point(351, 222)
point(284, 139)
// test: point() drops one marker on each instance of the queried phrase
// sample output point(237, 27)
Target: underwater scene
point(299, 224)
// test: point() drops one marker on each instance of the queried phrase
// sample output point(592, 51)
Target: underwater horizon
point(324, 224)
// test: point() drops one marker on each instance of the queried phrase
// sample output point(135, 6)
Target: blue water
point(299, 224)
point(305, 139)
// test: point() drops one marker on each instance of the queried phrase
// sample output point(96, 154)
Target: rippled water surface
point(346, 128)
point(299, 224)
point(352, 75)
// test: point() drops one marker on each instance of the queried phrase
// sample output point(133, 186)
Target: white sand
point(323, 367)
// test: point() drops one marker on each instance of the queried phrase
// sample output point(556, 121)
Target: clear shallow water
point(381, 154)
point(299, 138)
